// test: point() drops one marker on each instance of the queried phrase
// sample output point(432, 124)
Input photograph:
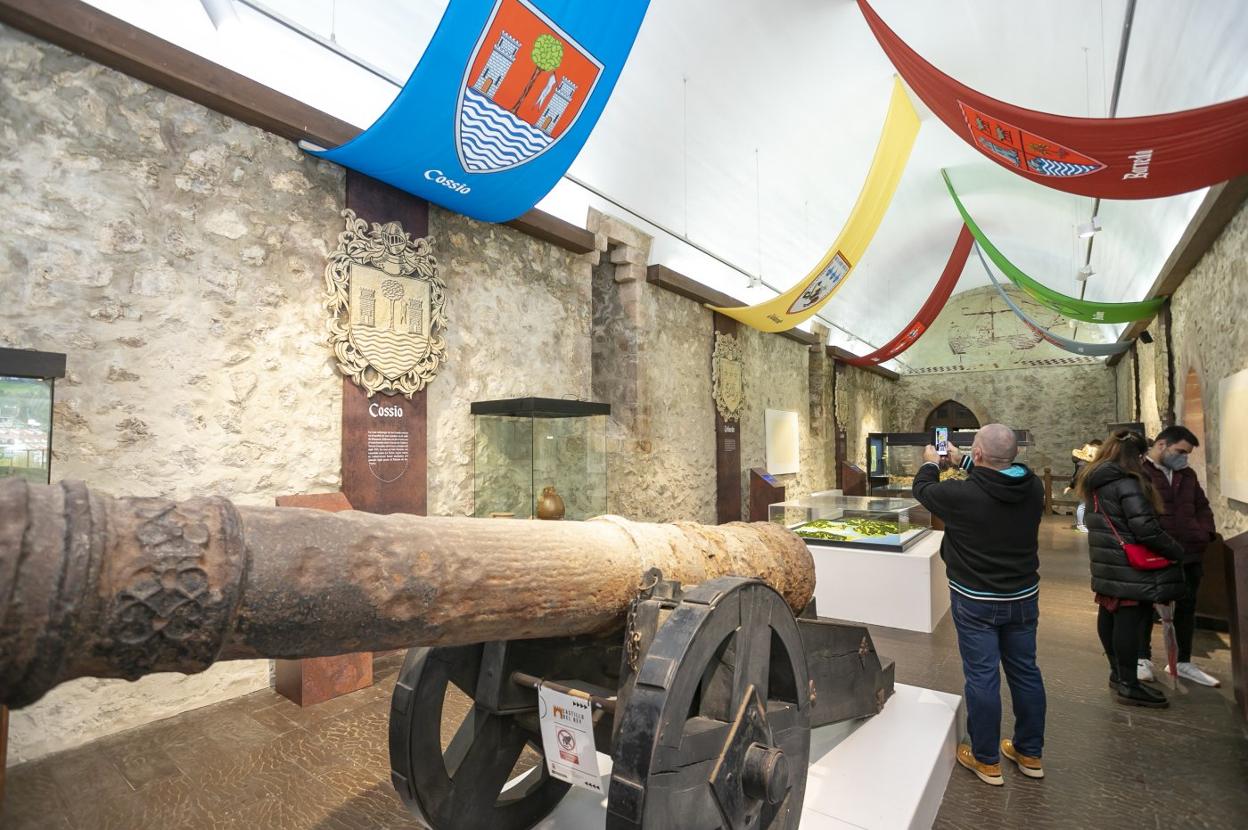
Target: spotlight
point(754, 281)
point(1089, 229)
point(221, 13)
point(1146, 337)
point(1084, 272)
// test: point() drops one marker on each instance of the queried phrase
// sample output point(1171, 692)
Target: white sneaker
point(1190, 671)
point(1081, 528)
point(1144, 670)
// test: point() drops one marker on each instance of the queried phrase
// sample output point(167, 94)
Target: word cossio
point(440, 178)
point(379, 411)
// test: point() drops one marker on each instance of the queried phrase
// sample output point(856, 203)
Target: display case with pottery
point(542, 458)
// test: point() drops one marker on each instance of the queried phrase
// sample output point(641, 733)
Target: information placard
point(568, 738)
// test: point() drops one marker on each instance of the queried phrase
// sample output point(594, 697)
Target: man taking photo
point(1188, 518)
point(990, 548)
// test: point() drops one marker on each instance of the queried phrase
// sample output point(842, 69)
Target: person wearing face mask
point(1187, 517)
point(991, 554)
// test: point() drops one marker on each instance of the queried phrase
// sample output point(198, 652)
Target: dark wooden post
point(727, 448)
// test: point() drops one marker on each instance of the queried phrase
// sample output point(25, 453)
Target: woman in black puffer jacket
point(1115, 489)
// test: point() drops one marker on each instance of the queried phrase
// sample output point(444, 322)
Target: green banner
point(1088, 311)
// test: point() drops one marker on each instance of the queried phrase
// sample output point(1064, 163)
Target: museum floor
point(261, 762)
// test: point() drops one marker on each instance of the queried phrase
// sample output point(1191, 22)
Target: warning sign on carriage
point(568, 738)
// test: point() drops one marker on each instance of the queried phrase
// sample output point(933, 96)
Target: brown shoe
point(988, 773)
point(1027, 765)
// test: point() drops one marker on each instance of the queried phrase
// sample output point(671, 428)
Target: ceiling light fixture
point(1087, 230)
point(222, 14)
point(754, 281)
point(1084, 272)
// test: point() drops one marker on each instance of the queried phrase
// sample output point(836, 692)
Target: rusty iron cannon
point(696, 646)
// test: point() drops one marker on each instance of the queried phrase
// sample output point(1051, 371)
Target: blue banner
point(1076, 346)
point(500, 103)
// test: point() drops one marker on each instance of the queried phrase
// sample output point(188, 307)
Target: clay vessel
point(549, 504)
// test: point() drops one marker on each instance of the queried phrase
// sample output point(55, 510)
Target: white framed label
point(568, 738)
point(782, 447)
point(1233, 435)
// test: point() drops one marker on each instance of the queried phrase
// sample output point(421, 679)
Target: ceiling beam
point(1217, 209)
point(841, 356)
point(663, 277)
point(112, 42)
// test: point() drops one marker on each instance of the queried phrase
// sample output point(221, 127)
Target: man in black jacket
point(1188, 518)
point(990, 548)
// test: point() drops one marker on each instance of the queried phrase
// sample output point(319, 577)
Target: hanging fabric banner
point(1113, 158)
point(1076, 346)
point(500, 103)
point(804, 300)
point(1089, 311)
point(930, 310)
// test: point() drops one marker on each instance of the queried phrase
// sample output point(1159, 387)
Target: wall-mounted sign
point(728, 376)
point(782, 443)
point(385, 303)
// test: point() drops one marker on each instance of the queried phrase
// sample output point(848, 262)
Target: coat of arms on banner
point(1026, 151)
point(386, 309)
point(728, 376)
point(525, 86)
point(822, 285)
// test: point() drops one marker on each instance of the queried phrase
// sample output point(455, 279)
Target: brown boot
point(988, 773)
point(1027, 765)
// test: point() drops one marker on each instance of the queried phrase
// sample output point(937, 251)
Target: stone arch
point(1190, 405)
point(953, 414)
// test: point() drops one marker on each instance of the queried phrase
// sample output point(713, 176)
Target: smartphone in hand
point(940, 439)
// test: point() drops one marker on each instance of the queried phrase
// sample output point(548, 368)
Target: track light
point(221, 13)
point(754, 281)
point(1087, 230)
point(1084, 272)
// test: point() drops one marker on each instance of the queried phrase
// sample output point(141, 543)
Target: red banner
point(930, 310)
point(1110, 158)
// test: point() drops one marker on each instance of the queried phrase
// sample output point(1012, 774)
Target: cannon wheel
point(467, 787)
point(716, 732)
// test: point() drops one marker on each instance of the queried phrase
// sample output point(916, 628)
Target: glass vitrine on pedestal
point(891, 524)
point(526, 447)
point(27, 379)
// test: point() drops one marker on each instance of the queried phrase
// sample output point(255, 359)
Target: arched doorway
point(1194, 419)
point(953, 415)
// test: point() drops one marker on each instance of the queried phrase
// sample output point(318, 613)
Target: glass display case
point(540, 457)
point(26, 395)
point(893, 457)
point(892, 524)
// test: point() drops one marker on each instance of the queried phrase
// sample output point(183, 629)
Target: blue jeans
point(992, 634)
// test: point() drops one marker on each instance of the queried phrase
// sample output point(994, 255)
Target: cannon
point(696, 649)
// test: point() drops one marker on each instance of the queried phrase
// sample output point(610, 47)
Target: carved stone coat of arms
point(728, 376)
point(385, 301)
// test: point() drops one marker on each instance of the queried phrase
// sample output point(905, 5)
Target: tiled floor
point(262, 762)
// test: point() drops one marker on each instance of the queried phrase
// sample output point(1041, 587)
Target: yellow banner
point(803, 300)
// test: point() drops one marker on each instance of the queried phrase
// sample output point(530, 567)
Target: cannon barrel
point(92, 585)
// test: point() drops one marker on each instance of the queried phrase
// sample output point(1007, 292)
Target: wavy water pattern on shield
point(492, 138)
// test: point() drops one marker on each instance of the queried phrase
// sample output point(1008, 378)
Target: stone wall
point(175, 256)
point(1063, 406)
point(519, 326)
point(1208, 335)
point(777, 376)
point(864, 404)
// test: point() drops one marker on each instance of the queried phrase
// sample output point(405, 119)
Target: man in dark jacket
point(1188, 518)
point(990, 548)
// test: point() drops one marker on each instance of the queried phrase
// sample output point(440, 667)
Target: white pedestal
point(878, 587)
point(881, 773)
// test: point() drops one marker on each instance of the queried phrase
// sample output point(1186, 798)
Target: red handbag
point(1139, 556)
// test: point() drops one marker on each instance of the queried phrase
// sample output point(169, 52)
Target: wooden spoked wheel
point(716, 731)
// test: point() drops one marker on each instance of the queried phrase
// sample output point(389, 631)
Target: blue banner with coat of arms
point(500, 103)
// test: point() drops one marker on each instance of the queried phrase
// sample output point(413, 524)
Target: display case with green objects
point(891, 524)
